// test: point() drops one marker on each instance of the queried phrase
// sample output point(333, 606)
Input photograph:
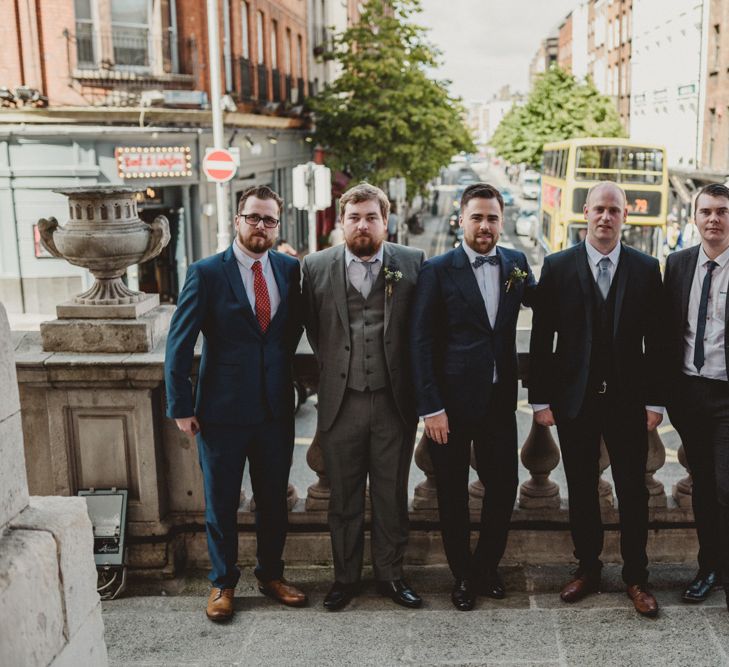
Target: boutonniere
point(515, 277)
point(392, 276)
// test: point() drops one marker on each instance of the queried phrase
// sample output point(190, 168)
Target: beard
point(256, 242)
point(364, 245)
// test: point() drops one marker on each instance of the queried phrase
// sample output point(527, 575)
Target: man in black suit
point(602, 300)
point(463, 335)
point(696, 293)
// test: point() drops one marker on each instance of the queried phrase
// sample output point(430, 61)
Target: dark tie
point(483, 259)
point(263, 302)
point(703, 310)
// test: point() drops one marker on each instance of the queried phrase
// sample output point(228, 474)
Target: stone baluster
point(656, 460)
point(292, 495)
point(604, 488)
point(476, 490)
point(683, 488)
point(540, 456)
point(317, 495)
point(425, 496)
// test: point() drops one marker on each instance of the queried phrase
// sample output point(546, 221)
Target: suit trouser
point(623, 427)
point(223, 450)
point(368, 437)
point(701, 417)
point(494, 440)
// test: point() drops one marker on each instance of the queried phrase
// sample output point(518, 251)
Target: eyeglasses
point(253, 219)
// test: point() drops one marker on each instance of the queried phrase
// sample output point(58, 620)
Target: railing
point(134, 49)
point(300, 91)
point(262, 83)
point(276, 81)
point(246, 79)
point(288, 88)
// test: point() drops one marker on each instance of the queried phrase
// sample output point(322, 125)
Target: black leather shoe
point(492, 586)
point(698, 590)
point(463, 595)
point(339, 596)
point(400, 593)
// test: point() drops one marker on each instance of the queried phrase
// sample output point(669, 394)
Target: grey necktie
point(603, 276)
point(368, 279)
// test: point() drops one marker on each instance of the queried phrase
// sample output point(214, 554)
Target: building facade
point(117, 92)
point(715, 136)
point(667, 78)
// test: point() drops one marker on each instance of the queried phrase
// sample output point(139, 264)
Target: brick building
point(564, 44)
point(83, 81)
point(715, 136)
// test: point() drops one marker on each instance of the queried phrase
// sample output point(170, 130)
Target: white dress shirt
point(714, 357)
point(594, 256)
point(245, 266)
point(356, 269)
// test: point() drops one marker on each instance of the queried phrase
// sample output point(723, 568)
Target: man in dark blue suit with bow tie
point(465, 371)
point(247, 303)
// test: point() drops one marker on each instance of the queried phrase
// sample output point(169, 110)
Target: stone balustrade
point(97, 420)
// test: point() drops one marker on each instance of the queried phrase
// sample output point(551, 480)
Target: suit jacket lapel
point(281, 282)
point(465, 280)
point(232, 272)
point(586, 281)
point(504, 270)
point(687, 280)
point(389, 261)
point(623, 275)
point(338, 281)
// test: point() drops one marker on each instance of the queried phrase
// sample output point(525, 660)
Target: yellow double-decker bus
point(570, 168)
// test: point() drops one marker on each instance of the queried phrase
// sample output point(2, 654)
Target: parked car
point(453, 223)
point(526, 223)
point(458, 240)
point(508, 197)
point(530, 184)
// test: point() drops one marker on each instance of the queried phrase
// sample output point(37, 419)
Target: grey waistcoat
point(367, 366)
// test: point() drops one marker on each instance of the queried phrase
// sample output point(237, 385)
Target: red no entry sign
point(219, 165)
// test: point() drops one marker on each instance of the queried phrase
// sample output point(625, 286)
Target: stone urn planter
point(105, 235)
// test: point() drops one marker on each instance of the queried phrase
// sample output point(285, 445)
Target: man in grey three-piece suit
point(358, 298)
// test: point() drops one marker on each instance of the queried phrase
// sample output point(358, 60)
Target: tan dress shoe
point(643, 601)
point(579, 587)
point(283, 591)
point(220, 604)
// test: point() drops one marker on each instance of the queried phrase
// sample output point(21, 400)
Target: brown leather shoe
point(643, 601)
point(283, 591)
point(220, 604)
point(583, 584)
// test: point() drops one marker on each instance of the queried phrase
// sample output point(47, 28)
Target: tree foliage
point(559, 107)
point(384, 117)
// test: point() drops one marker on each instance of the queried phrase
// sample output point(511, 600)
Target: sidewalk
point(530, 627)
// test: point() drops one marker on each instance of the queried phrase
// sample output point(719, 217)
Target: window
point(712, 135)
point(259, 35)
point(299, 57)
point(717, 45)
point(85, 38)
point(130, 21)
point(274, 45)
point(245, 37)
point(323, 21)
point(287, 53)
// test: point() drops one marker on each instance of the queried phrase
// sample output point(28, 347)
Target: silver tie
point(603, 276)
point(367, 280)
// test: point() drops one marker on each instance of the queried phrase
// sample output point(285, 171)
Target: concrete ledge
point(87, 646)
point(67, 520)
point(31, 609)
point(13, 480)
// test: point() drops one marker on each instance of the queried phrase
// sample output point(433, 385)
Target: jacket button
point(343, 375)
point(346, 347)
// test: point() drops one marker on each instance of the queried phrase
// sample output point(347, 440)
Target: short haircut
point(713, 190)
point(602, 184)
point(481, 191)
point(365, 192)
point(259, 192)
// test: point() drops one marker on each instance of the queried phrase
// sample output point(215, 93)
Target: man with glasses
point(246, 303)
point(358, 297)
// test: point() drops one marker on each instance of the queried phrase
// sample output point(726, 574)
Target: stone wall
point(50, 613)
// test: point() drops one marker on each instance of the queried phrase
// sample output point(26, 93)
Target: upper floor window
point(85, 38)
point(287, 53)
point(259, 35)
point(274, 44)
point(245, 50)
point(130, 35)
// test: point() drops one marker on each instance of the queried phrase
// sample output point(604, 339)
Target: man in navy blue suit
point(247, 302)
point(464, 362)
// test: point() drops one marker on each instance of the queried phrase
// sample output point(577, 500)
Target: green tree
point(560, 107)
point(383, 117)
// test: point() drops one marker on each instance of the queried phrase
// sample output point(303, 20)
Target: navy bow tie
point(481, 259)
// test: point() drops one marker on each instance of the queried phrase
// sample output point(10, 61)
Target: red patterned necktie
point(263, 302)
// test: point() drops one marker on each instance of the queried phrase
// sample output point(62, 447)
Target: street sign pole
point(312, 190)
point(312, 208)
point(221, 194)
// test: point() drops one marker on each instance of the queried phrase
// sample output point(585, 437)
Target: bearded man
point(246, 303)
point(357, 313)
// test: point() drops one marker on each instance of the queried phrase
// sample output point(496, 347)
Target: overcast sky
point(489, 43)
